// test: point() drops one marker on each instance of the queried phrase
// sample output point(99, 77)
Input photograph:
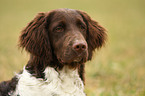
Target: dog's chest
point(64, 83)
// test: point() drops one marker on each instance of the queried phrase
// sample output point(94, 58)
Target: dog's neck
point(36, 67)
point(60, 83)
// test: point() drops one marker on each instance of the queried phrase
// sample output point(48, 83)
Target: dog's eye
point(59, 29)
point(82, 27)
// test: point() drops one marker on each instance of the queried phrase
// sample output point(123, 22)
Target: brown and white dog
point(59, 43)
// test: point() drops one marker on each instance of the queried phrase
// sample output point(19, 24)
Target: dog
point(59, 43)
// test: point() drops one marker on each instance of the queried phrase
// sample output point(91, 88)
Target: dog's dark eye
point(81, 25)
point(59, 29)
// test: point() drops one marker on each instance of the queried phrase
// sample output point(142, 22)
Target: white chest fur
point(63, 83)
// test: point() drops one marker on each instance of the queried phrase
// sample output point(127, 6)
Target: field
point(118, 69)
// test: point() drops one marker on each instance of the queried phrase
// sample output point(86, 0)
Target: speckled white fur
point(63, 83)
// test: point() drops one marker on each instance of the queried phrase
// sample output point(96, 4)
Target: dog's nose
point(80, 47)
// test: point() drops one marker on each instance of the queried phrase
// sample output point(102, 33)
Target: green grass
point(118, 69)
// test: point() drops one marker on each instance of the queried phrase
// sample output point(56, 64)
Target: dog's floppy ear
point(96, 34)
point(34, 38)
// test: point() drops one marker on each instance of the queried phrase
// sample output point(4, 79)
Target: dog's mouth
point(77, 59)
point(73, 59)
point(72, 64)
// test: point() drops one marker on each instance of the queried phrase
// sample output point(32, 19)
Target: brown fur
point(96, 35)
point(53, 46)
point(36, 38)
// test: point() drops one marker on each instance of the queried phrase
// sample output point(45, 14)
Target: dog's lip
point(75, 59)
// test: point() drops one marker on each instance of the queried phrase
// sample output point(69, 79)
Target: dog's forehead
point(68, 14)
point(66, 11)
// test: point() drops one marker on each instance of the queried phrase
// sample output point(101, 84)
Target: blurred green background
point(118, 69)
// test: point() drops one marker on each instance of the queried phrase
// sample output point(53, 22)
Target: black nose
point(80, 47)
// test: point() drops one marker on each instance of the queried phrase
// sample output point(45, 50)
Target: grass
point(118, 69)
